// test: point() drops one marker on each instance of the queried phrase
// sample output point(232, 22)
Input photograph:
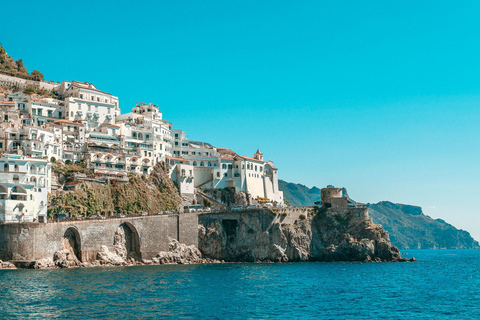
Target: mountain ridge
point(408, 226)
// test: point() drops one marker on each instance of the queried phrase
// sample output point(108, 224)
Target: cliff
point(265, 235)
point(409, 228)
point(141, 194)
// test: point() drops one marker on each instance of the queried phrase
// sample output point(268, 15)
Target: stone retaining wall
point(34, 241)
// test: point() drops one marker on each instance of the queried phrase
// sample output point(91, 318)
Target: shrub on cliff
point(152, 194)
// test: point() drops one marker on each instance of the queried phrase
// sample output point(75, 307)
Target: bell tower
point(258, 155)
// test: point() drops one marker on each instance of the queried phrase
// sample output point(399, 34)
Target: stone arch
point(127, 242)
point(73, 243)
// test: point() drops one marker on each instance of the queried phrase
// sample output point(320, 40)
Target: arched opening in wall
point(6, 167)
point(72, 242)
point(3, 192)
point(126, 242)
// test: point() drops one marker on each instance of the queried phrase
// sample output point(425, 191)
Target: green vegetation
point(141, 194)
point(298, 194)
point(409, 228)
point(16, 68)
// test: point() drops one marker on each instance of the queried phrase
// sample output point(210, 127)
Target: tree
point(29, 89)
point(20, 67)
point(37, 75)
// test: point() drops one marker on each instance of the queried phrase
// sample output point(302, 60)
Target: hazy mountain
point(298, 194)
point(408, 227)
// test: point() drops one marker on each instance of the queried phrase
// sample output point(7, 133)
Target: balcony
point(80, 113)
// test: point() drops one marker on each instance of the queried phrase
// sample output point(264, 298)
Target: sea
point(443, 284)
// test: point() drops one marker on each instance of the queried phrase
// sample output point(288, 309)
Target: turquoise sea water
point(442, 284)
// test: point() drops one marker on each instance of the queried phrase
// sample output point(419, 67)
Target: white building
point(24, 186)
point(85, 103)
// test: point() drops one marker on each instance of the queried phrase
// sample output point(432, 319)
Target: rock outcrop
point(324, 236)
point(105, 257)
point(65, 259)
point(6, 265)
point(179, 253)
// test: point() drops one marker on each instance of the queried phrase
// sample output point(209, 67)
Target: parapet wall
point(22, 83)
point(34, 241)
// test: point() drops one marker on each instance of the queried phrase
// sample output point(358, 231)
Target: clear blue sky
point(382, 98)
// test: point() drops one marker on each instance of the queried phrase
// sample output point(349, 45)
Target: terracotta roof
point(225, 151)
point(109, 125)
point(251, 159)
point(86, 85)
point(68, 121)
point(175, 159)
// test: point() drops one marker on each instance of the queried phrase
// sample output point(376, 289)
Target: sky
point(379, 97)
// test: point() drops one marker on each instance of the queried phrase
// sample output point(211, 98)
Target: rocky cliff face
point(324, 236)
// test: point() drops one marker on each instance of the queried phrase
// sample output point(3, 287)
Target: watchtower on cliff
point(336, 200)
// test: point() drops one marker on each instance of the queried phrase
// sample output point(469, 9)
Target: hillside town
point(77, 123)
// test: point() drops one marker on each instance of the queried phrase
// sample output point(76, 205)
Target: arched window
point(41, 169)
point(33, 169)
point(6, 167)
point(42, 182)
point(202, 164)
point(209, 164)
point(224, 166)
point(33, 180)
point(16, 178)
point(194, 163)
point(17, 168)
point(3, 192)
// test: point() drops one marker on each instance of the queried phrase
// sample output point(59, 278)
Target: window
point(93, 98)
point(194, 163)
point(224, 166)
point(71, 113)
point(261, 169)
point(89, 108)
point(230, 166)
point(6, 167)
point(218, 174)
point(255, 168)
point(81, 96)
point(202, 164)
point(209, 164)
